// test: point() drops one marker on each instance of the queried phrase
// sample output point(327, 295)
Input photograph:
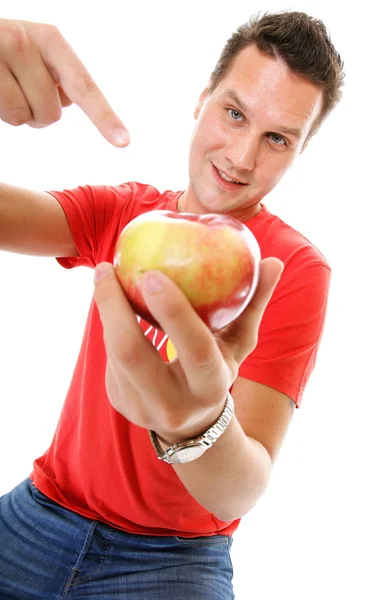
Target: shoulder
point(131, 189)
point(278, 238)
point(143, 197)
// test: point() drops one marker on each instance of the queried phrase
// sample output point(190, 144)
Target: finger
point(39, 88)
point(195, 345)
point(14, 108)
point(136, 358)
point(65, 100)
point(240, 338)
point(81, 89)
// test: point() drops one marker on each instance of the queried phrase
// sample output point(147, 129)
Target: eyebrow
point(244, 108)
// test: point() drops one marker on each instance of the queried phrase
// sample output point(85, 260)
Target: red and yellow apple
point(214, 259)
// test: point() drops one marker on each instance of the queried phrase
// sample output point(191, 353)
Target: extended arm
point(40, 74)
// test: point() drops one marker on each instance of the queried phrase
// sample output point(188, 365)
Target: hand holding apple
point(181, 398)
point(214, 259)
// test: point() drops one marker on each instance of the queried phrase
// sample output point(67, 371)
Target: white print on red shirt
point(158, 338)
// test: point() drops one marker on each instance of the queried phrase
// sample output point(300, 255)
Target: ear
point(200, 102)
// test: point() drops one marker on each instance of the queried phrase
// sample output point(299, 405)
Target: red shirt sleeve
point(92, 212)
point(291, 329)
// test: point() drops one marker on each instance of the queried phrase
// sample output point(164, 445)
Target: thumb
point(102, 270)
point(108, 295)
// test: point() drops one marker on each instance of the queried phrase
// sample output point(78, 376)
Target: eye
point(278, 139)
point(235, 114)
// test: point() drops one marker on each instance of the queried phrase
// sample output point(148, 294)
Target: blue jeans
point(50, 553)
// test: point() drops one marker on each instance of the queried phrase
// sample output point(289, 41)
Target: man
point(101, 515)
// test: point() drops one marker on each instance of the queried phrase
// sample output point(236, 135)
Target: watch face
point(184, 455)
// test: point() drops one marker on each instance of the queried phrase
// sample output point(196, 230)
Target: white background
point(315, 532)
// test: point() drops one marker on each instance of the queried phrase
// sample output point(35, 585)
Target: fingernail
point(120, 137)
point(153, 282)
point(102, 270)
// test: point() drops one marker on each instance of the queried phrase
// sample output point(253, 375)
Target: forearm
point(33, 223)
point(229, 478)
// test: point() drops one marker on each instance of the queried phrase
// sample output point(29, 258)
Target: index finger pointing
point(78, 85)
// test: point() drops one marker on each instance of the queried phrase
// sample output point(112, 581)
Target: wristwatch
point(189, 450)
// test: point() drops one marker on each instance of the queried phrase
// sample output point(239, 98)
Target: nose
point(242, 152)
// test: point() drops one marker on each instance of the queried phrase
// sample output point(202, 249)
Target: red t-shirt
point(104, 467)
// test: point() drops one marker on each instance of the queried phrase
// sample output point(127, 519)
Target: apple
point(213, 258)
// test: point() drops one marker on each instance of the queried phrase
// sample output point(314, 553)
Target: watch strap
point(176, 453)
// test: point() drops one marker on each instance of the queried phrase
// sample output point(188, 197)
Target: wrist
point(195, 444)
point(170, 438)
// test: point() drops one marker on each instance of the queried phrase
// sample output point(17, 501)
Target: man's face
point(251, 128)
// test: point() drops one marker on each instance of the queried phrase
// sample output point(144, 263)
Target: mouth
point(226, 182)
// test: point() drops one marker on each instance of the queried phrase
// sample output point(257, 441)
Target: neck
point(186, 203)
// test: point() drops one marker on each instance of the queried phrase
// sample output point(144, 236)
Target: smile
point(224, 180)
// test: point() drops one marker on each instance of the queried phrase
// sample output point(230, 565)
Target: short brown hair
point(301, 41)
